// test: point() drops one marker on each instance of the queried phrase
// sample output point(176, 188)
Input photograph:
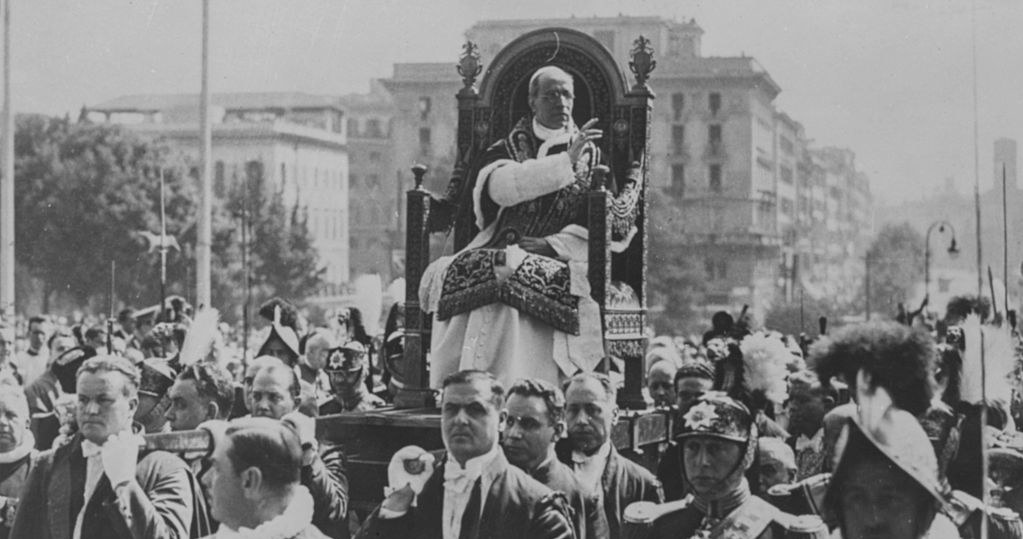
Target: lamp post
point(953, 249)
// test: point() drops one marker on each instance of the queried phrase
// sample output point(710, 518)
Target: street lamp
point(953, 250)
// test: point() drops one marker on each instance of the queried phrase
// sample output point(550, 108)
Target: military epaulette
point(801, 526)
point(645, 513)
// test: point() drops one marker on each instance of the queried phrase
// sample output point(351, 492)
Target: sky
point(891, 80)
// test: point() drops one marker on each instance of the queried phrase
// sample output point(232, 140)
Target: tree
point(85, 192)
point(82, 194)
point(282, 258)
point(896, 261)
point(674, 283)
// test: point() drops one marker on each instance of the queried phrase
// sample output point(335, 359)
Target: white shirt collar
point(474, 466)
point(545, 133)
point(579, 457)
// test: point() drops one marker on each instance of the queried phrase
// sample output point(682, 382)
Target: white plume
point(998, 358)
point(202, 335)
point(764, 365)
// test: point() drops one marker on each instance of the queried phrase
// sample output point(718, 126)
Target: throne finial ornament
point(469, 66)
point(643, 62)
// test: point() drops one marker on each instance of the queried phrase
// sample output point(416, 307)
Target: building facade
point(762, 213)
point(376, 241)
point(298, 140)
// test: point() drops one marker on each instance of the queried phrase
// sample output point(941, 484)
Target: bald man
point(529, 204)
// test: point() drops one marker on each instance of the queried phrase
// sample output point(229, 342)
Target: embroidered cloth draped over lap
point(498, 308)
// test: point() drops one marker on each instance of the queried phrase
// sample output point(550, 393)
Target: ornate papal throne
point(614, 205)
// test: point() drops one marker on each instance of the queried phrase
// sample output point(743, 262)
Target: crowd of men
point(868, 432)
point(875, 431)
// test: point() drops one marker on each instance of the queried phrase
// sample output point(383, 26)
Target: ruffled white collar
point(545, 133)
point(28, 443)
point(293, 520)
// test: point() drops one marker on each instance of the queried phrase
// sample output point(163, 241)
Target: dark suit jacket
point(160, 500)
point(669, 473)
point(588, 516)
point(327, 481)
point(623, 482)
point(516, 507)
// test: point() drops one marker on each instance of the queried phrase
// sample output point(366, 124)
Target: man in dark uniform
point(347, 369)
point(719, 440)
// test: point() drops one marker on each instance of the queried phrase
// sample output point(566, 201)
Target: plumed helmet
point(157, 376)
point(350, 357)
point(696, 368)
point(65, 366)
point(900, 439)
point(717, 415)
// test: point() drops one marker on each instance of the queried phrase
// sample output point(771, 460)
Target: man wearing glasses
point(524, 273)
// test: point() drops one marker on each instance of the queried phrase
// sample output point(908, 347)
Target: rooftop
point(228, 101)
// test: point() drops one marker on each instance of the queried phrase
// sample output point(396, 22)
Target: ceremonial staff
point(162, 243)
point(110, 318)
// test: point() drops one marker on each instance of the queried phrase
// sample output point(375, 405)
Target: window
point(786, 206)
point(373, 128)
point(353, 127)
point(218, 179)
point(786, 174)
point(716, 269)
point(786, 145)
point(714, 102)
point(424, 107)
point(678, 180)
point(715, 178)
point(714, 133)
point(424, 141)
point(944, 285)
point(678, 103)
point(372, 181)
point(678, 139)
point(606, 38)
point(374, 157)
point(353, 181)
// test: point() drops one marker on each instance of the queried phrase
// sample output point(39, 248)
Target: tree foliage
point(84, 193)
point(896, 261)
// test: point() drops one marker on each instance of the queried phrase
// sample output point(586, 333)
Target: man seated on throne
point(516, 301)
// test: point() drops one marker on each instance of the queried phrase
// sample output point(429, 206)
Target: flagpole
point(163, 248)
point(7, 180)
point(205, 232)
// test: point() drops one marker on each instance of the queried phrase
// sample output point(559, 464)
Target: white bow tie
point(457, 479)
point(804, 443)
point(580, 458)
point(90, 449)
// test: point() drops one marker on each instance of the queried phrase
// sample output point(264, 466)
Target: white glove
point(304, 425)
point(120, 455)
point(411, 465)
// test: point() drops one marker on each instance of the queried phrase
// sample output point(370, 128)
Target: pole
point(7, 181)
point(205, 232)
point(866, 281)
point(163, 249)
point(245, 268)
point(980, 279)
point(927, 262)
point(1005, 243)
point(110, 318)
point(976, 153)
